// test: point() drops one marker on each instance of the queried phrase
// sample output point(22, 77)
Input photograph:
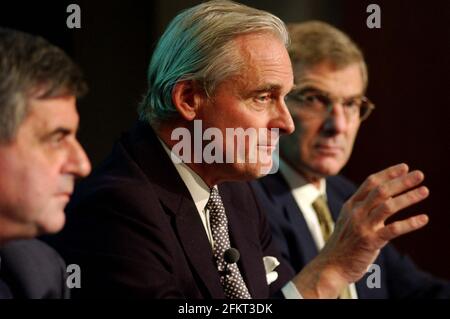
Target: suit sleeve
point(406, 280)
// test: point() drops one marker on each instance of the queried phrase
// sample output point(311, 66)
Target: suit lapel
point(335, 202)
point(280, 194)
point(197, 247)
point(250, 261)
point(176, 199)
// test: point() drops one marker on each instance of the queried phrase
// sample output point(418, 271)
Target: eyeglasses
point(319, 103)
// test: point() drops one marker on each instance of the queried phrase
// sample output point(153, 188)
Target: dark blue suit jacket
point(400, 278)
point(31, 269)
point(135, 231)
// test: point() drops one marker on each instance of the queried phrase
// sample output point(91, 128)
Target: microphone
point(231, 255)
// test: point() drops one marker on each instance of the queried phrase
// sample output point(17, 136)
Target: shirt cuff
point(290, 291)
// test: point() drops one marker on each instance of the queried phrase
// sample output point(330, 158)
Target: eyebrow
point(310, 88)
point(269, 88)
point(307, 89)
point(58, 131)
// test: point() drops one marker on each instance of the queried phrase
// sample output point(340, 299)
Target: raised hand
point(361, 231)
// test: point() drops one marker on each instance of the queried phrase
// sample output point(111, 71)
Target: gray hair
point(197, 45)
point(31, 67)
point(313, 42)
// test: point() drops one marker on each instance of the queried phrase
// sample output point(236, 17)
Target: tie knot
point(214, 201)
point(214, 191)
point(320, 202)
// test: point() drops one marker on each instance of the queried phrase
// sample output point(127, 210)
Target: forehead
point(265, 60)
point(345, 81)
point(50, 113)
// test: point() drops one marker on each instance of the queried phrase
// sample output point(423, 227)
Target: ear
point(187, 97)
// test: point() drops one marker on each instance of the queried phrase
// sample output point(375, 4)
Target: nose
point(78, 163)
point(283, 119)
point(336, 121)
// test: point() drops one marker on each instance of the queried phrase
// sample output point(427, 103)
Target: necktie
point(326, 226)
point(231, 280)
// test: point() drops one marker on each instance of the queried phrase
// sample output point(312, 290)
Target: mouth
point(268, 149)
point(266, 146)
point(65, 195)
point(328, 150)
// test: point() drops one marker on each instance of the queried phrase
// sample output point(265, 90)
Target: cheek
point(37, 185)
point(351, 137)
point(40, 179)
point(306, 137)
point(45, 209)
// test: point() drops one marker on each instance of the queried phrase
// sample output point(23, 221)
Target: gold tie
point(326, 226)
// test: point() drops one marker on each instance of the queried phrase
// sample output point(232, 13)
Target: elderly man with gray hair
point(155, 221)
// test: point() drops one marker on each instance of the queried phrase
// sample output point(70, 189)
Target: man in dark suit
point(327, 106)
point(165, 215)
point(39, 160)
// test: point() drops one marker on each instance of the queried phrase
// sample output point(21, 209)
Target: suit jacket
point(400, 278)
point(31, 269)
point(133, 228)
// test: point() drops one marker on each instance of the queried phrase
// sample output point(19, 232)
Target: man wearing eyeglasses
point(305, 197)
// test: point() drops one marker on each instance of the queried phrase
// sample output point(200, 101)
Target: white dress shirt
point(305, 194)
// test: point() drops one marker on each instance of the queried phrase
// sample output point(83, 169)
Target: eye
point(352, 103)
point(316, 100)
point(263, 98)
point(57, 139)
point(311, 98)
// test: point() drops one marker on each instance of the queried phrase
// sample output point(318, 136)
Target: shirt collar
point(300, 186)
point(197, 187)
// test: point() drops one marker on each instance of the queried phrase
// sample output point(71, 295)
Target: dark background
point(408, 59)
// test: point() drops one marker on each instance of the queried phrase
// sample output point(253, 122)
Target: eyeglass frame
point(297, 96)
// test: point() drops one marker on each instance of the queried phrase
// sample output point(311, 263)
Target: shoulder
point(341, 185)
point(270, 187)
point(33, 269)
point(28, 249)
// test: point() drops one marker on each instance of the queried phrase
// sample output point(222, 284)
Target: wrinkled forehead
point(338, 80)
point(264, 59)
point(47, 113)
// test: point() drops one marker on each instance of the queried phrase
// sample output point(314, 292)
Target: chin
point(328, 168)
point(52, 224)
point(247, 172)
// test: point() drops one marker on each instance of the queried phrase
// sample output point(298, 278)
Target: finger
point(402, 227)
point(376, 179)
point(393, 205)
point(384, 191)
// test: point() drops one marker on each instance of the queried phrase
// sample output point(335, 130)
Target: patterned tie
point(232, 281)
point(326, 225)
